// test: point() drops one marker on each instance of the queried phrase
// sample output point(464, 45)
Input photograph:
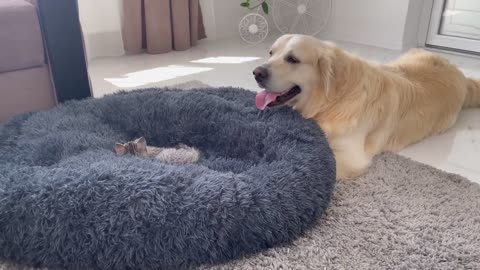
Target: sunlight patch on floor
point(225, 60)
point(148, 76)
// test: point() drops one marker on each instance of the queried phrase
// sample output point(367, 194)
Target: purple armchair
point(25, 77)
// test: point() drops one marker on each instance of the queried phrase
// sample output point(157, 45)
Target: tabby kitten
point(182, 154)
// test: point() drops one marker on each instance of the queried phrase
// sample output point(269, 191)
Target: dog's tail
point(473, 93)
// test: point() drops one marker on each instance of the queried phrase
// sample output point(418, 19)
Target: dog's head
point(299, 68)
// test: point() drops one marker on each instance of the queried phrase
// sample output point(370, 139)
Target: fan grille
point(253, 28)
point(308, 17)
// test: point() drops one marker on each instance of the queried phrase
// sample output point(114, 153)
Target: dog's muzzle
point(261, 74)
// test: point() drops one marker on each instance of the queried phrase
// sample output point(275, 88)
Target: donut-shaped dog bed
point(68, 201)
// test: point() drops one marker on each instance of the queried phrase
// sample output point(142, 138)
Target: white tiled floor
point(229, 63)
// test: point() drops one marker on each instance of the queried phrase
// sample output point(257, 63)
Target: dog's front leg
point(350, 155)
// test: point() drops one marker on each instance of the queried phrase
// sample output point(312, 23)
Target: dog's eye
point(292, 60)
point(270, 53)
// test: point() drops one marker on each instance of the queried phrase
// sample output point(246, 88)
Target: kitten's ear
point(140, 140)
point(141, 143)
point(120, 149)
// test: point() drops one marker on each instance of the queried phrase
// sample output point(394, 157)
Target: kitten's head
point(137, 147)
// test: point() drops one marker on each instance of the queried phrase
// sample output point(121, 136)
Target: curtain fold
point(160, 26)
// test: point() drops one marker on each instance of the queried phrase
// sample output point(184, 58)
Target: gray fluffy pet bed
point(67, 201)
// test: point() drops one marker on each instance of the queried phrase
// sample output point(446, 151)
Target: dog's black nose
point(261, 74)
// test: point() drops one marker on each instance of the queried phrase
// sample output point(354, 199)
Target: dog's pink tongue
point(264, 98)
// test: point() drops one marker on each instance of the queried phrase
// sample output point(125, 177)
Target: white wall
point(209, 20)
point(417, 21)
point(227, 14)
point(101, 26)
point(389, 24)
point(379, 23)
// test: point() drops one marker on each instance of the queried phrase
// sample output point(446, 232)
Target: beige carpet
point(400, 215)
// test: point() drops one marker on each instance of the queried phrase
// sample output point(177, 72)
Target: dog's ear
point(325, 65)
point(120, 149)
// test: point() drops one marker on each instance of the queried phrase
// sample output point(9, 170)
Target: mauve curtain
point(160, 26)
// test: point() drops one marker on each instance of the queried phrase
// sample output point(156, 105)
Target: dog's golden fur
point(366, 108)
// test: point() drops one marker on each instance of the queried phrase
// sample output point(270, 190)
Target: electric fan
point(253, 28)
point(307, 17)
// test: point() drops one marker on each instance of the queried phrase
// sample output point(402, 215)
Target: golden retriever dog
point(364, 108)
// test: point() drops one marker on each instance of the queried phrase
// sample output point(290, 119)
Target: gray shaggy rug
point(67, 201)
point(400, 215)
